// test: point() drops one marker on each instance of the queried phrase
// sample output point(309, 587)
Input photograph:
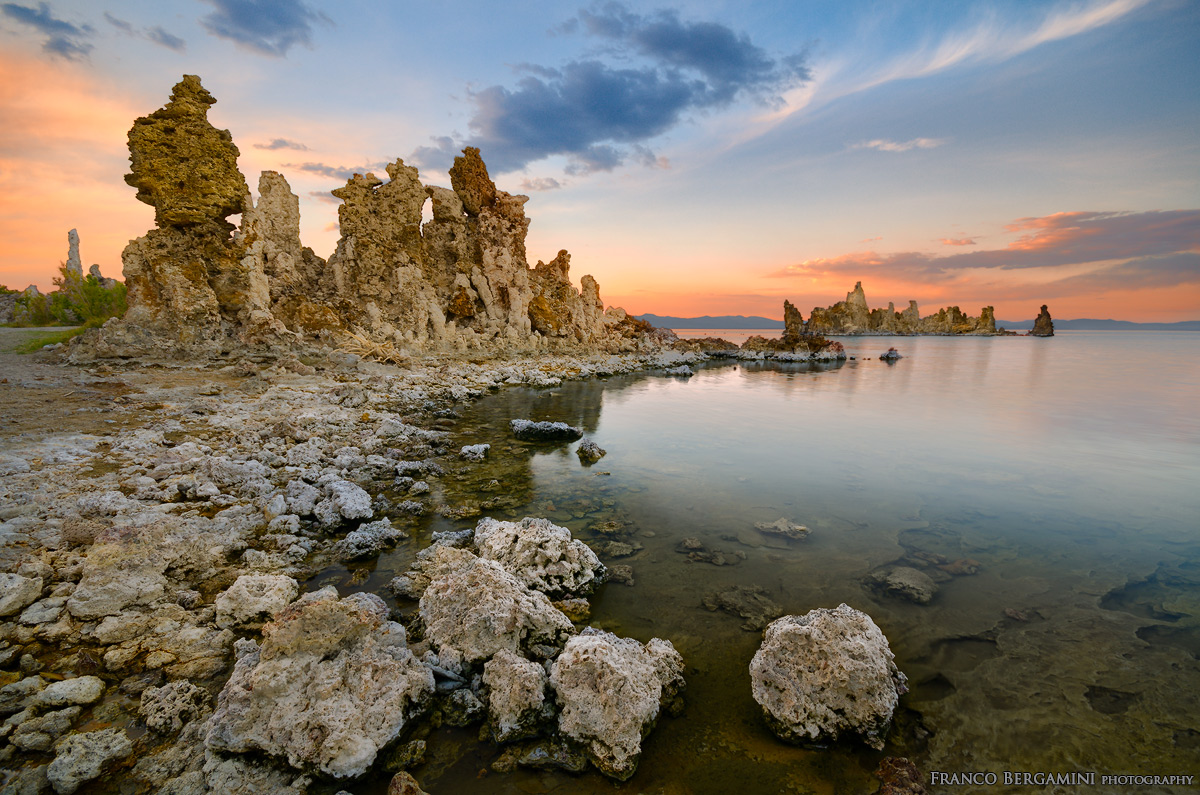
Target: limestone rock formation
point(73, 262)
point(542, 555)
point(477, 609)
point(826, 674)
point(332, 683)
point(83, 757)
point(458, 281)
point(853, 316)
point(516, 696)
point(181, 165)
point(254, 599)
point(611, 691)
point(1043, 326)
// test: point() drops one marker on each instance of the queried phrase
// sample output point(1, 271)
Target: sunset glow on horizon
point(710, 160)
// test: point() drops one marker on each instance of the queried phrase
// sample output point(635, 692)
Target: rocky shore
point(159, 524)
point(172, 483)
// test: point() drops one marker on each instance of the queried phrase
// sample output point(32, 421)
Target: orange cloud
point(1153, 258)
point(960, 241)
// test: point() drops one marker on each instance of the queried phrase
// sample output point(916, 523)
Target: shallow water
point(1050, 486)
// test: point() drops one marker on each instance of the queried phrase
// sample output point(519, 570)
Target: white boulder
point(254, 598)
point(611, 691)
point(540, 554)
point(478, 608)
point(332, 683)
point(827, 674)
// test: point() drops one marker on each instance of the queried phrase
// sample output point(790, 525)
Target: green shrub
point(79, 299)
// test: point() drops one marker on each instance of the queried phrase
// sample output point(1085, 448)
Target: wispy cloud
point(63, 39)
point(541, 184)
point(1096, 250)
point(600, 111)
point(957, 241)
point(884, 145)
point(282, 143)
point(266, 27)
point(991, 39)
point(335, 172)
point(161, 37)
point(156, 34)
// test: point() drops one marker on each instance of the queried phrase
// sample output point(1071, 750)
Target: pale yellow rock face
point(182, 166)
point(853, 316)
point(460, 281)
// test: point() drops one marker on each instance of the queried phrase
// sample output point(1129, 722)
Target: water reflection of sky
point(1102, 420)
point(1067, 468)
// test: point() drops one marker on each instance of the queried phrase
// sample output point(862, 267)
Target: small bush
point(78, 299)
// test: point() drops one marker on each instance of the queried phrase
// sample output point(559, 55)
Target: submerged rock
point(906, 583)
point(752, 603)
point(890, 355)
point(611, 691)
point(589, 452)
point(332, 683)
point(544, 431)
point(541, 554)
point(783, 527)
point(825, 675)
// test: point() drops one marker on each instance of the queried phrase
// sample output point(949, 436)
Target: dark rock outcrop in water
point(853, 316)
point(1043, 326)
point(197, 285)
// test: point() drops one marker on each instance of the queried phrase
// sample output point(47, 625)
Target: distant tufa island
point(853, 316)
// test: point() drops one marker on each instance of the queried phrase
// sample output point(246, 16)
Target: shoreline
point(136, 495)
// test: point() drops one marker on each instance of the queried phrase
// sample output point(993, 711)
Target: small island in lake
point(853, 316)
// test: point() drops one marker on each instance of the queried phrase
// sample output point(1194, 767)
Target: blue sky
point(698, 158)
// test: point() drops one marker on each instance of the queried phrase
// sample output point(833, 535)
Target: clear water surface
point(1051, 488)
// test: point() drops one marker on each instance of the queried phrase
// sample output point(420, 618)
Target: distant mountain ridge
point(1093, 324)
point(757, 322)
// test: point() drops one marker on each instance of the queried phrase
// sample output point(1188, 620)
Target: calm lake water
point(1051, 487)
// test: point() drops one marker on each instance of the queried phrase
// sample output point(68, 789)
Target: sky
point(696, 158)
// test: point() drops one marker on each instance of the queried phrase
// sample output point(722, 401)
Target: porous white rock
point(611, 691)
point(332, 683)
point(367, 540)
point(478, 608)
point(118, 575)
point(343, 500)
point(82, 757)
point(39, 734)
point(474, 452)
point(254, 598)
point(70, 692)
point(516, 696)
point(432, 562)
point(17, 593)
point(165, 709)
point(826, 674)
point(541, 554)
